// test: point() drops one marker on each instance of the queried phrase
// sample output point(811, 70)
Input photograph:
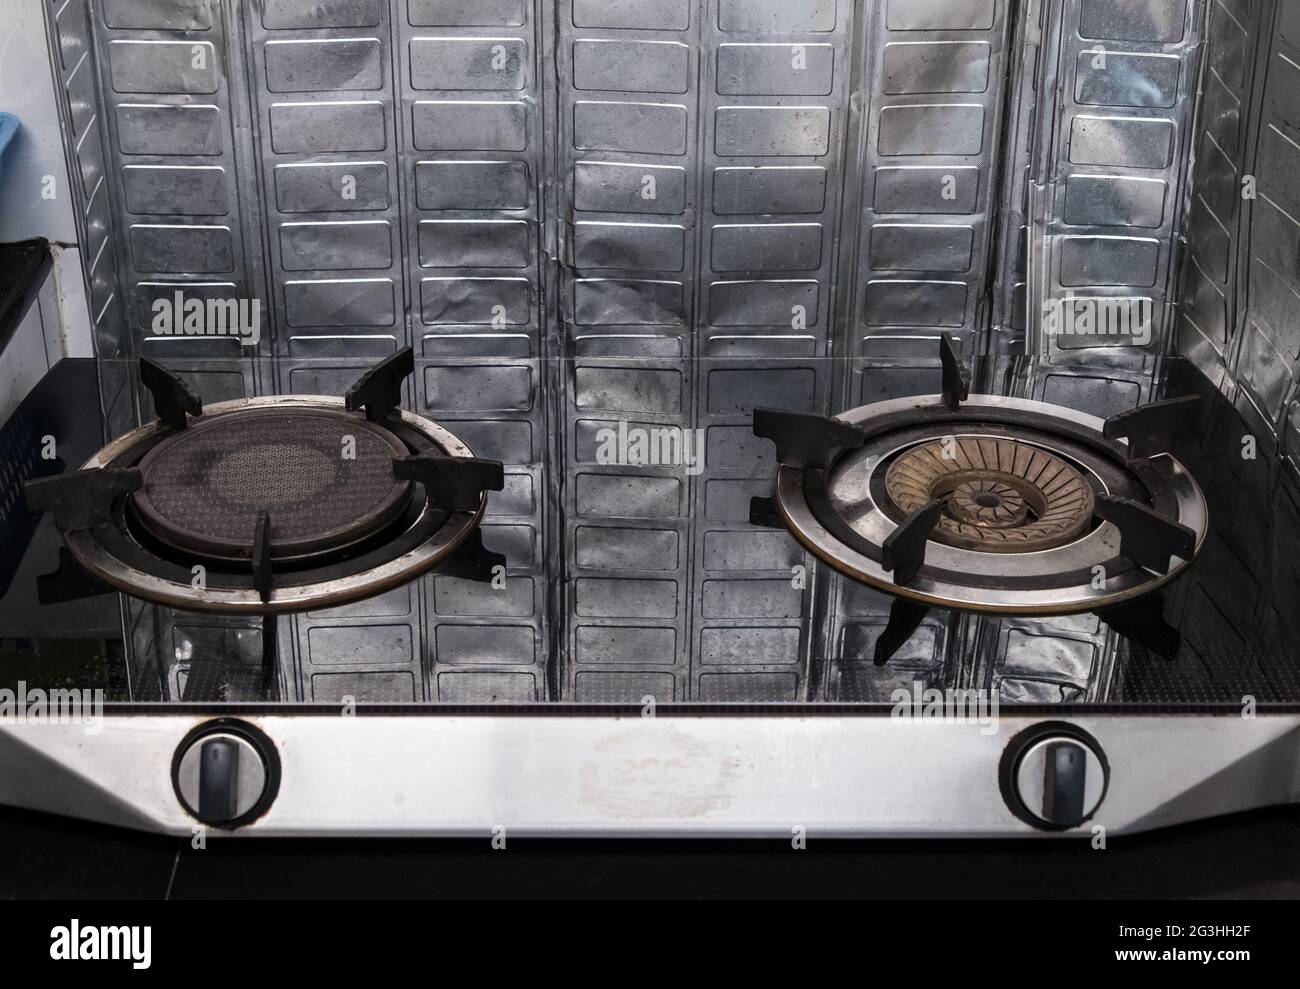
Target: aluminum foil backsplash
point(588, 215)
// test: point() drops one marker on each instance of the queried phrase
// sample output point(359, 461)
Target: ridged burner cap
point(999, 495)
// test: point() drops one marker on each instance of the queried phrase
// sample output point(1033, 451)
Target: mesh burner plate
point(204, 486)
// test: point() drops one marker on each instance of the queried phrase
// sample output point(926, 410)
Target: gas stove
point(669, 418)
point(991, 504)
point(268, 506)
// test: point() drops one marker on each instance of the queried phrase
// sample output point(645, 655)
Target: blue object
point(8, 128)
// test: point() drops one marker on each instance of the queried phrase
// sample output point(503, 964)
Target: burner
point(269, 506)
point(1000, 495)
point(325, 478)
point(991, 504)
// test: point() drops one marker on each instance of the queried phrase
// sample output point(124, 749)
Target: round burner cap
point(325, 478)
point(999, 495)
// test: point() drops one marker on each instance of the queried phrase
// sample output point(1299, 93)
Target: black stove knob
point(1054, 777)
point(219, 778)
point(1065, 783)
point(225, 773)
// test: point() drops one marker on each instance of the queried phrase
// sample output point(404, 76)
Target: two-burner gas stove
point(675, 417)
point(1055, 556)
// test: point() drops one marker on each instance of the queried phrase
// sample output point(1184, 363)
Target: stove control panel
point(1054, 776)
point(226, 773)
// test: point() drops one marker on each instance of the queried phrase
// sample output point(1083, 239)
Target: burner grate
point(1003, 506)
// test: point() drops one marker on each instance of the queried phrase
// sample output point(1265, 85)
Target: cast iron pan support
point(455, 484)
point(805, 440)
point(956, 389)
point(903, 551)
point(82, 499)
point(379, 390)
point(1147, 538)
point(1143, 621)
point(764, 513)
point(905, 617)
point(262, 556)
point(79, 500)
point(473, 561)
point(1150, 429)
point(172, 398)
point(262, 582)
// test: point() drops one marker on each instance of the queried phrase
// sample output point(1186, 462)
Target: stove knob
point(225, 773)
point(1054, 777)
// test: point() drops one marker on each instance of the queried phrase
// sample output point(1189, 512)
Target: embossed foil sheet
point(643, 218)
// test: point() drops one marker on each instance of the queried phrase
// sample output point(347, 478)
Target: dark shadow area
point(1252, 855)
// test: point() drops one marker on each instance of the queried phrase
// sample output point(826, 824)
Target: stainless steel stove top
point(1201, 639)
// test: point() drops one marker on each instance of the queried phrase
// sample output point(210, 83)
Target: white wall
point(59, 325)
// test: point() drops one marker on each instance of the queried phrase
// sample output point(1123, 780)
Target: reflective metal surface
point(516, 776)
point(661, 214)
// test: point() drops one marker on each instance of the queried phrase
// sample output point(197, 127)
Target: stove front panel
point(674, 776)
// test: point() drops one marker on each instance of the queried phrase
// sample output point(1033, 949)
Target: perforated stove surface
point(325, 478)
